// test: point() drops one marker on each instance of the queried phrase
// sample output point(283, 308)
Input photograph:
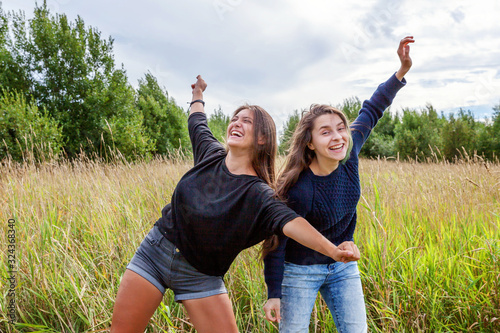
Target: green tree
point(218, 123)
point(381, 141)
point(459, 133)
point(164, 122)
point(122, 129)
point(489, 136)
point(71, 73)
point(288, 130)
point(418, 133)
point(351, 106)
point(495, 131)
point(13, 77)
point(26, 132)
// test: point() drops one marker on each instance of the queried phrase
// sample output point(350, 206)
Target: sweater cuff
point(273, 285)
point(391, 87)
point(274, 292)
point(394, 83)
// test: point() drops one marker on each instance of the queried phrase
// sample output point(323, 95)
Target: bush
point(419, 133)
point(26, 131)
point(218, 123)
point(164, 122)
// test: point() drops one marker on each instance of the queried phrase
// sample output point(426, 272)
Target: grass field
point(428, 233)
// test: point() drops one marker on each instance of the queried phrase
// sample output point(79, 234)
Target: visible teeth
point(336, 147)
point(236, 133)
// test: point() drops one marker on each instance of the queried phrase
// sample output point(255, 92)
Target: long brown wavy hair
point(300, 157)
point(264, 155)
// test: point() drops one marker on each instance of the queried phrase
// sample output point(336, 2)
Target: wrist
point(197, 94)
point(328, 248)
point(401, 73)
point(197, 101)
point(334, 251)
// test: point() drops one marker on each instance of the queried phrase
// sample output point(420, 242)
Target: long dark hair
point(300, 157)
point(264, 155)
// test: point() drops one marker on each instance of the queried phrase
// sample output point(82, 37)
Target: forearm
point(373, 110)
point(198, 106)
point(400, 74)
point(301, 231)
point(198, 89)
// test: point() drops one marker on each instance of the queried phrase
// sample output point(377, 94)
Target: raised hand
point(199, 86)
point(404, 56)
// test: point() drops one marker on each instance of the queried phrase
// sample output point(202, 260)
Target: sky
point(287, 55)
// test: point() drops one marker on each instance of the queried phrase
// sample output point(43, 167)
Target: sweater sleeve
point(372, 110)
point(271, 213)
point(274, 267)
point(202, 140)
point(300, 200)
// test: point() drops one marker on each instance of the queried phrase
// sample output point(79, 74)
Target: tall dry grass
point(431, 243)
point(429, 236)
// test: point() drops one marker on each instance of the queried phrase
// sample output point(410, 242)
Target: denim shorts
point(161, 263)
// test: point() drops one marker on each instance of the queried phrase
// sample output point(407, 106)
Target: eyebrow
point(328, 126)
point(245, 117)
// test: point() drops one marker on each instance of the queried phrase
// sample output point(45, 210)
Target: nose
point(233, 125)
point(336, 135)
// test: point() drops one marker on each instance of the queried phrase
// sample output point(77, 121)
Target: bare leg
point(135, 304)
point(212, 314)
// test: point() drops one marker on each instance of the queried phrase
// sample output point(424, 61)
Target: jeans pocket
point(154, 237)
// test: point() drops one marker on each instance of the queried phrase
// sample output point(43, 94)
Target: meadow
point(428, 234)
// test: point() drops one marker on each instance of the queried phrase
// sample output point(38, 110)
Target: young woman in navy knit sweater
point(221, 206)
point(321, 183)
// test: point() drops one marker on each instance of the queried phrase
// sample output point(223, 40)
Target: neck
point(323, 167)
point(240, 163)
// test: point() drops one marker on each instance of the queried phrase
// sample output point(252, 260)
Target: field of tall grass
point(428, 233)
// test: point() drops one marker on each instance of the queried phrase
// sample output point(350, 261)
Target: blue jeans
point(340, 286)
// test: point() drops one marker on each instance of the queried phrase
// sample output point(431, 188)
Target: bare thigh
point(212, 314)
point(135, 304)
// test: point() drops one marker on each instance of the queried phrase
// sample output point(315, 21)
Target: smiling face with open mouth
point(330, 139)
point(240, 132)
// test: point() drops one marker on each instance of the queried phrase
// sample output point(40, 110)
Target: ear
point(261, 141)
point(310, 146)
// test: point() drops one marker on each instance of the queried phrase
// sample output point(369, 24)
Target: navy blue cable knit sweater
point(329, 202)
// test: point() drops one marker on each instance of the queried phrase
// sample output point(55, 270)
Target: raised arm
point(404, 56)
point(373, 109)
point(197, 104)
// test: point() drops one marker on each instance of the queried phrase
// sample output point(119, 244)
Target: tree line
point(421, 134)
point(61, 94)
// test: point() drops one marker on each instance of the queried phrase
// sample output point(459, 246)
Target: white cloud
point(286, 55)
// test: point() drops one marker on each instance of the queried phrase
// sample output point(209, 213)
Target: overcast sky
point(286, 55)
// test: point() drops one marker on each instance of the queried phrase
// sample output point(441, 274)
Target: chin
point(231, 143)
point(234, 145)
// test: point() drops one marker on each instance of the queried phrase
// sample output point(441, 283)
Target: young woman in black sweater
point(221, 206)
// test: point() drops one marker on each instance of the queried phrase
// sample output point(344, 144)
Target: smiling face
point(240, 132)
point(330, 139)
